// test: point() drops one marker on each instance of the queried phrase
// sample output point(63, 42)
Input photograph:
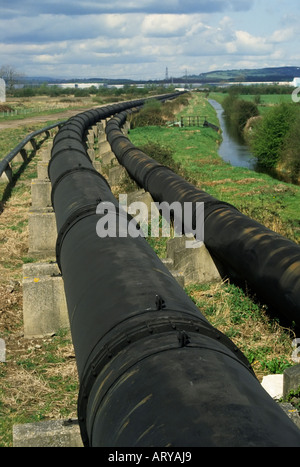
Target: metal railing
point(5, 167)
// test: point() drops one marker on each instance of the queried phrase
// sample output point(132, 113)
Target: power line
point(167, 74)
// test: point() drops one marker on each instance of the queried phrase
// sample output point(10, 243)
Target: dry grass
point(39, 379)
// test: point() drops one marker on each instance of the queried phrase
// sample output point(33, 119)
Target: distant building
point(2, 90)
point(296, 82)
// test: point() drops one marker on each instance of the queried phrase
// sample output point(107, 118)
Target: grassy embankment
point(275, 204)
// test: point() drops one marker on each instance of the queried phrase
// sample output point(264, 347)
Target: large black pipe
point(152, 370)
point(244, 249)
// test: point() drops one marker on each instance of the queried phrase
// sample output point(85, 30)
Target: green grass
point(266, 100)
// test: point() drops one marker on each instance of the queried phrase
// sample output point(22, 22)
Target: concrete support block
point(109, 159)
point(273, 385)
point(42, 170)
point(117, 175)
point(7, 176)
point(101, 126)
point(42, 233)
point(179, 276)
point(40, 193)
point(53, 433)
point(291, 412)
point(91, 154)
point(142, 196)
point(2, 351)
point(104, 148)
point(46, 153)
point(126, 128)
point(44, 303)
point(90, 139)
point(97, 166)
point(94, 129)
point(291, 380)
point(195, 264)
point(102, 138)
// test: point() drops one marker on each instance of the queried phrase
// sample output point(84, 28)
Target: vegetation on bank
point(274, 137)
point(275, 141)
point(239, 111)
point(39, 380)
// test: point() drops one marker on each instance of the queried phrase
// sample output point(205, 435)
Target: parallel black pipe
point(244, 249)
point(152, 370)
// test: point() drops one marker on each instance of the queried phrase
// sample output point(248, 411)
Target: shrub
point(290, 150)
point(151, 114)
point(154, 113)
point(268, 136)
point(239, 111)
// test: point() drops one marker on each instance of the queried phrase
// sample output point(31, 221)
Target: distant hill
point(279, 74)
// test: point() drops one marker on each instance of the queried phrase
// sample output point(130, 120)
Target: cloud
point(79, 7)
point(283, 35)
point(61, 27)
point(165, 25)
point(109, 38)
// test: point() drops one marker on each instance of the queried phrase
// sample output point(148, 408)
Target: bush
point(290, 150)
point(269, 135)
point(239, 111)
point(151, 114)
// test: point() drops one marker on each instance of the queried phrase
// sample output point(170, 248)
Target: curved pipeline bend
point(152, 370)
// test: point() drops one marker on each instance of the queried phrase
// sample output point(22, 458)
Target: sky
point(142, 39)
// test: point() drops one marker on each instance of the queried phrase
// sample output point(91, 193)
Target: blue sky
point(139, 39)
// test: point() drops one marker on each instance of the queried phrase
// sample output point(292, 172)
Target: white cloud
point(251, 45)
point(283, 35)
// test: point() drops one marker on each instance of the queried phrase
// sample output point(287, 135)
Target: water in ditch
point(232, 149)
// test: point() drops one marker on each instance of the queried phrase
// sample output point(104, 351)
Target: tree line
point(45, 89)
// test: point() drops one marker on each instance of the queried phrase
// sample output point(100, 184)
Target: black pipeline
point(244, 249)
point(152, 370)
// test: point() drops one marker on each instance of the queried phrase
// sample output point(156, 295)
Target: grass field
point(265, 103)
